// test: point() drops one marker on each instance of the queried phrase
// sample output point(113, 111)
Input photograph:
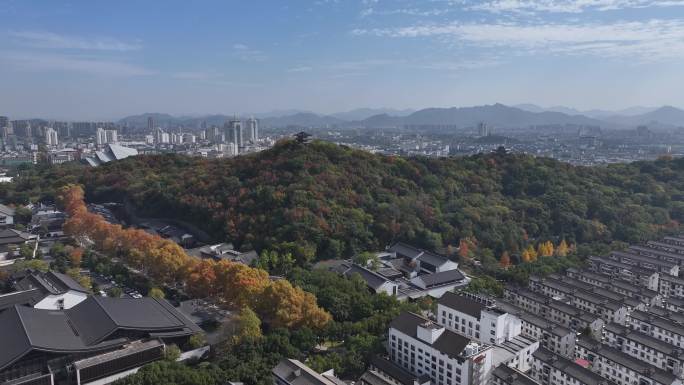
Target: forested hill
point(333, 201)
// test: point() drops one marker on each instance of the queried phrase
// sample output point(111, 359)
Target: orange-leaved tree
point(230, 284)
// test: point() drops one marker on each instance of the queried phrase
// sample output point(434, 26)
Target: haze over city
point(107, 60)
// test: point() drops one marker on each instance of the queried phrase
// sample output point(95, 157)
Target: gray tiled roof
point(448, 343)
point(570, 368)
point(511, 376)
point(373, 279)
point(462, 303)
point(87, 326)
point(627, 361)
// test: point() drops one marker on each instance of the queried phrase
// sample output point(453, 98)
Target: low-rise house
point(293, 372)
point(640, 276)
point(551, 336)
point(51, 290)
point(549, 368)
point(381, 371)
point(620, 367)
point(553, 310)
point(415, 261)
point(671, 286)
point(375, 281)
point(674, 304)
point(646, 260)
point(619, 286)
point(226, 251)
point(505, 375)
point(607, 305)
point(646, 348)
point(6, 216)
point(660, 327)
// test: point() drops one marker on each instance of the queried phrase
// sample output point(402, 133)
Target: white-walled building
point(646, 348)
point(549, 368)
point(661, 328)
point(477, 318)
point(620, 367)
point(550, 335)
point(424, 347)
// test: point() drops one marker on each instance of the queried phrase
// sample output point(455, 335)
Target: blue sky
point(107, 59)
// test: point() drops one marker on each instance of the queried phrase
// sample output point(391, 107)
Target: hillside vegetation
point(320, 200)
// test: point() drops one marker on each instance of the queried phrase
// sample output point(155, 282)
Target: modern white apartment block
point(423, 347)
point(620, 367)
point(477, 318)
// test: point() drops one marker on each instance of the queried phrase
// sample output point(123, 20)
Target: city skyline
point(77, 61)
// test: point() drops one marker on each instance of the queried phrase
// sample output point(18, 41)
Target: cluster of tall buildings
point(232, 137)
point(37, 131)
point(103, 136)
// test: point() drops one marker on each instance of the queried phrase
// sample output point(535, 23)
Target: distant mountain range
point(496, 115)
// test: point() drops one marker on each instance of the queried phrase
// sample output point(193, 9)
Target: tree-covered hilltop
point(323, 200)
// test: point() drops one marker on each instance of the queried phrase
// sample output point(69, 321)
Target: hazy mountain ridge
point(496, 115)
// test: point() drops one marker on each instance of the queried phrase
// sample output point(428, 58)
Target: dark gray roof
point(433, 259)
point(12, 236)
point(627, 361)
point(448, 343)
point(49, 283)
point(405, 250)
point(442, 278)
point(6, 210)
point(28, 329)
point(645, 340)
point(570, 368)
point(97, 318)
point(296, 373)
point(658, 321)
point(87, 326)
point(642, 259)
point(658, 252)
point(462, 303)
point(24, 297)
point(511, 376)
point(373, 279)
point(396, 372)
point(636, 270)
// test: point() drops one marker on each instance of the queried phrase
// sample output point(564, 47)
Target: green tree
point(156, 293)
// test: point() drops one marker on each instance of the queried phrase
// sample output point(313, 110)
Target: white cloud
point(194, 75)
point(49, 40)
point(72, 63)
point(568, 6)
point(644, 40)
point(245, 53)
point(300, 69)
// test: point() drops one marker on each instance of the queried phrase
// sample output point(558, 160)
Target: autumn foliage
point(232, 285)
